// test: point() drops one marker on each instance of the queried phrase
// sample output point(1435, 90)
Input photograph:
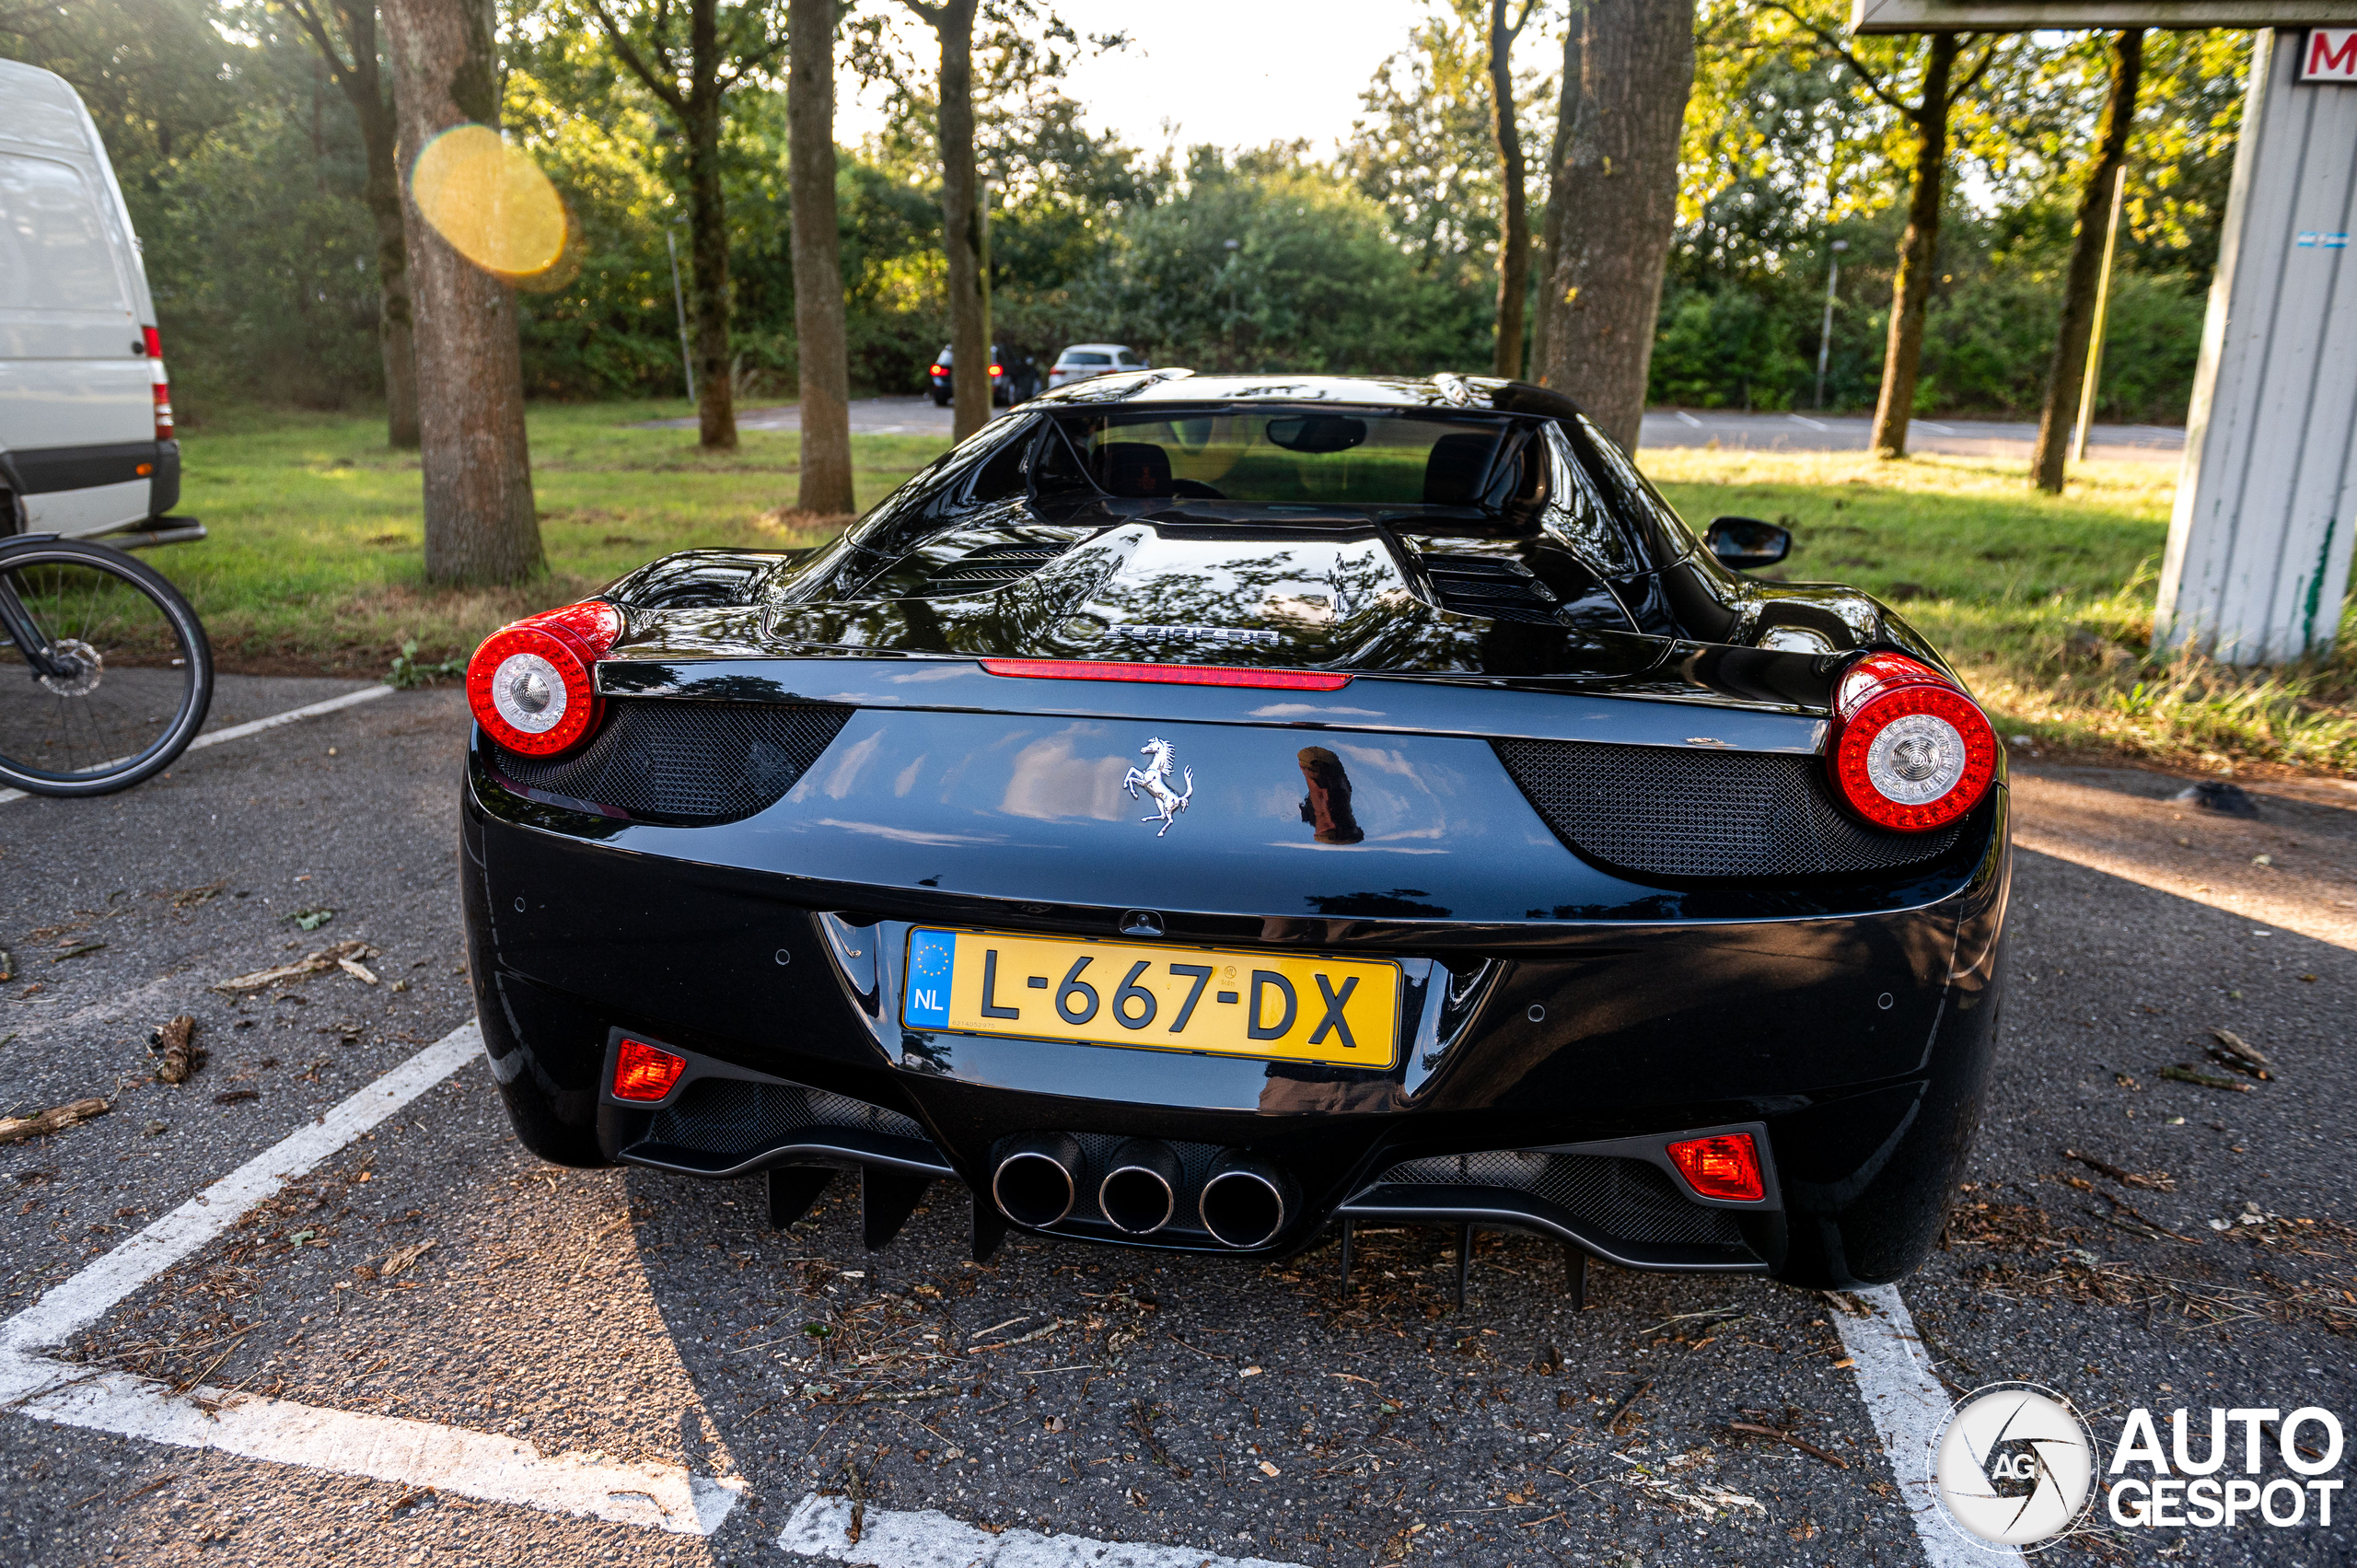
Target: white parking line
point(412, 1453)
point(1936, 429)
point(823, 1526)
point(1907, 1403)
point(1688, 420)
point(239, 731)
point(1812, 423)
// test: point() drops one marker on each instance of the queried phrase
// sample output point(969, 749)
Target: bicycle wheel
point(105, 673)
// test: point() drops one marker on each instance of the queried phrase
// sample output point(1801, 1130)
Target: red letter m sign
point(2331, 55)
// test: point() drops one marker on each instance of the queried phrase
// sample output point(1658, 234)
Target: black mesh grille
point(664, 760)
point(731, 1116)
point(1492, 588)
point(990, 565)
point(1672, 812)
point(1625, 1200)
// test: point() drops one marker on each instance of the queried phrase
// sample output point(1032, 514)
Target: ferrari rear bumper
point(1545, 1066)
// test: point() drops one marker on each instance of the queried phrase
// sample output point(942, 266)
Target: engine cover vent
point(691, 764)
point(1666, 811)
point(991, 566)
point(1492, 588)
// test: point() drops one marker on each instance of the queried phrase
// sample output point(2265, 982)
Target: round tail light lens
point(1911, 751)
point(532, 684)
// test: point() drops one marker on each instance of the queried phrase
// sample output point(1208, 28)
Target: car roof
point(1094, 348)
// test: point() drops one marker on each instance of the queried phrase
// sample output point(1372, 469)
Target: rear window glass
point(54, 250)
point(1311, 456)
point(1128, 358)
point(1088, 359)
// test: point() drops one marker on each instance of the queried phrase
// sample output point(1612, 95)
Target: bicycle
point(115, 664)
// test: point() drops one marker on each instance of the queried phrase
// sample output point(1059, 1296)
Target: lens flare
point(492, 204)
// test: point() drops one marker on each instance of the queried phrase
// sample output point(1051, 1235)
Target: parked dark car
point(1198, 812)
point(1014, 377)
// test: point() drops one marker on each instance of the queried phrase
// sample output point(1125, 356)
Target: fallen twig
point(1803, 1444)
point(315, 963)
point(17, 1129)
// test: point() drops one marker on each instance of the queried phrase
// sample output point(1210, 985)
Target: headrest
point(1456, 466)
point(1134, 469)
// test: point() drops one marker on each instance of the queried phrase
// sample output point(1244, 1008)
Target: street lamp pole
point(1825, 334)
point(680, 301)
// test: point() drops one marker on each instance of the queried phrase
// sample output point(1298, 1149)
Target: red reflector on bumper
point(643, 1071)
point(1725, 1166)
point(1167, 674)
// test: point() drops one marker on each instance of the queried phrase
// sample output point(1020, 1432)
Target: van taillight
point(163, 388)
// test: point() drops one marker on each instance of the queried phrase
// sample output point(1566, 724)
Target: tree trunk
point(1568, 104)
point(825, 376)
point(962, 236)
point(1919, 255)
point(1618, 205)
point(2067, 377)
point(1514, 244)
point(708, 215)
point(479, 523)
point(363, 86)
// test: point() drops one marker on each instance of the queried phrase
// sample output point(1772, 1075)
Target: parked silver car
point(1082, 361)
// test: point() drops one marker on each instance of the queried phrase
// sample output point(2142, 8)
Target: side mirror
point(1747, 543)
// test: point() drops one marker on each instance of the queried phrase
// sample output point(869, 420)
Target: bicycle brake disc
point(89, 669)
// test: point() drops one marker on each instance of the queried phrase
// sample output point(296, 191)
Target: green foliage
point(1314, 280)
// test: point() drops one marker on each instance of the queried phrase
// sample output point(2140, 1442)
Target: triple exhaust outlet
point(1040, 1180)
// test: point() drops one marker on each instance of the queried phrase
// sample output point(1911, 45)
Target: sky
point(1235, 73)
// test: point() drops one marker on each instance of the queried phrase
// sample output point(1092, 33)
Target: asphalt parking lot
point(395, 1339)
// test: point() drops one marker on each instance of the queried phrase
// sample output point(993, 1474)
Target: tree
point(1514, 245)
point(1616, 201)
point(692, 77)
point(1937, 91)
point(964, 234)
point(824, 354)
point(345, 34)
point(2068, 374)
point(479, 522)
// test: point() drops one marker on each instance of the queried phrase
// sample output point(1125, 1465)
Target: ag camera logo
point(2014, 1465)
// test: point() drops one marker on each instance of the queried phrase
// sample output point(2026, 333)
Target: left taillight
point(163, 388)
point(532, 685)
point(645, 1073)
point(1909, 752)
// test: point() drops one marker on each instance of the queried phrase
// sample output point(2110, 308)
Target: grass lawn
point(2046, 603)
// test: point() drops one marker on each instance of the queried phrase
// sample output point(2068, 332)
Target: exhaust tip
point(1244, 1202)
point(1140, 1193)
point(1038, 1179)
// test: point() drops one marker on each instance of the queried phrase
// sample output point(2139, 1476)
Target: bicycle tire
point(193, 647)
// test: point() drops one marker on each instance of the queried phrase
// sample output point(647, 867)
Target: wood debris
point(342, 955)
point(2240, 1047)
point(403, 1258)
point(176, 1043)
point(17, 1129)
point(2158, 1181)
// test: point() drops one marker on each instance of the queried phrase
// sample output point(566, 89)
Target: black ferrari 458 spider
point(1199, 813)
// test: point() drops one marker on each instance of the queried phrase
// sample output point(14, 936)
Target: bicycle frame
point(18, 624)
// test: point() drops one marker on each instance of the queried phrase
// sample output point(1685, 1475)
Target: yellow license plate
point(1154, 997)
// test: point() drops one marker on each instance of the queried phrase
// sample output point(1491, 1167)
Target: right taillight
point(1725, 1166)
point(1910, 750)
point(532, 685)
point(155, 342)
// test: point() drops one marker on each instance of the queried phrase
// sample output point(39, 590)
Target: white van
point(86, 416)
